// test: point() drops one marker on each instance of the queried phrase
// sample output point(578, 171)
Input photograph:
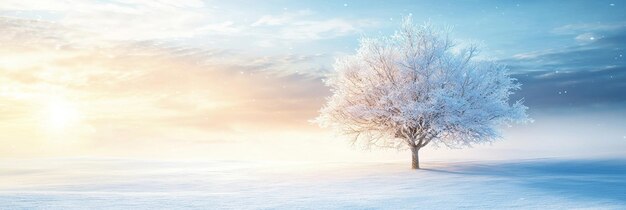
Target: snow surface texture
point(137, 184)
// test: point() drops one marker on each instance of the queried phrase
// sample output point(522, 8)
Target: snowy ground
point(136, 184)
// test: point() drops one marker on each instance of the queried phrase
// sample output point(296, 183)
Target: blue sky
point(170, 75)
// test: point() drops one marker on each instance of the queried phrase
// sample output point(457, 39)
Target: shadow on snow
point(597, 179)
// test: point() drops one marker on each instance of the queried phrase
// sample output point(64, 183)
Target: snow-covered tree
point(416, 87)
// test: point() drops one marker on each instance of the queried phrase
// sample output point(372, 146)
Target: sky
point(243, 79)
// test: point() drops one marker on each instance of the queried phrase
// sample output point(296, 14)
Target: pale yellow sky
point(140, 91)
point(66, 92)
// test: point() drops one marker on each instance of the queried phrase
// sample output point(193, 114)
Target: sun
point(61, 114)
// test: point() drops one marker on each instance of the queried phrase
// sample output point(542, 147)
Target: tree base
point(414, 166)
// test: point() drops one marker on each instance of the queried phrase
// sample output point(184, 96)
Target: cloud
point(571, 29)
point(301, 25)
point(591, 32)
point(193, 22)
point(598, 87)
point(283, 19)
point(125, 20)
point(586, 37)
point(589, 73)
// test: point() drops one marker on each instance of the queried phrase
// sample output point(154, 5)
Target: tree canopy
point(418, 87)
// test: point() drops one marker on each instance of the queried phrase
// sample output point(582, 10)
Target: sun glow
point(61, 115)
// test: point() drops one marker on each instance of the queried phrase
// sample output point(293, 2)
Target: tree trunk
point(416, 159)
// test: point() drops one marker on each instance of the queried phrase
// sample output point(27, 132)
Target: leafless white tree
point(415, 87)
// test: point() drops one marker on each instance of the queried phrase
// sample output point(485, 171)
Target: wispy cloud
point(302, 25)
point(125, 20)
point(579, 28)
point(590, 72)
